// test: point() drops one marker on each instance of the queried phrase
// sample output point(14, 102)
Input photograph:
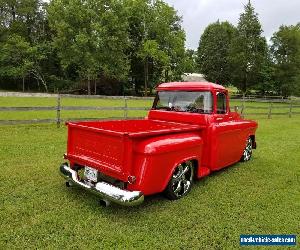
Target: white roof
point(193, 77)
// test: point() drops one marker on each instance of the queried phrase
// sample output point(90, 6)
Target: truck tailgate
point(105, 152)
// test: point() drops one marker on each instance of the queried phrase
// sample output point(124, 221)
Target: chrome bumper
point(103, 189)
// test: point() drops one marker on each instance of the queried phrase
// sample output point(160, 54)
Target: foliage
point(248, 52)
point(19, 59)
point(14, 57)
point(94, 41)
point(286, 54)
point(23, 32)
point(190, 61)
point(156, 42)
point(266, 83)
point(213, 52)
point(90, 35)
point(125, 45)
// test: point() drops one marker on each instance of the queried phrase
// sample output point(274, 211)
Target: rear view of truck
point(101, 155)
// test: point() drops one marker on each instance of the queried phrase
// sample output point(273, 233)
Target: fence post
point(291, 106)
point(243, 99)
point(270, 111)
point(125, 108)
point(242, 110)
point(58, 108)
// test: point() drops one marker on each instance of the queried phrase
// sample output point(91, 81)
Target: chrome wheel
point(248, 150)
point(181, 181)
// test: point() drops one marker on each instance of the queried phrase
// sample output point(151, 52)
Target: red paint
point(150, 149)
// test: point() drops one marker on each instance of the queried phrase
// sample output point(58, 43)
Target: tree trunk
point(244, 84)
point(146, 76)
point(166, 75)
point(28, 26)
point(95, 85)
point(13, 13)
point(38, 83)
point(135, 87)
point(89, 85)
point(23, 83)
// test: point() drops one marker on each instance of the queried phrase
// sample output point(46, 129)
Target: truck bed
point(135, 128)
point(107, 145)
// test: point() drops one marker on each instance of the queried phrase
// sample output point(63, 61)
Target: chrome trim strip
point(104, 189)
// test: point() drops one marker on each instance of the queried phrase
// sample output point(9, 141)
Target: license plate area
point(91, 174)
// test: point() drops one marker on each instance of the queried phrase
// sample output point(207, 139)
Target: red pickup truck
point(189, 133)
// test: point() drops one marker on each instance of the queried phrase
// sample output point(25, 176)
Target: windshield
point(184, 101)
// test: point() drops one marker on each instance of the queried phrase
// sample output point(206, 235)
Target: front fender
point(157, 157)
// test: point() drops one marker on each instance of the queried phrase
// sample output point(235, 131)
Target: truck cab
point(189, 132)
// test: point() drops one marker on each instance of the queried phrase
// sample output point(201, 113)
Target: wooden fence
point(270, 110)
point(58, 108)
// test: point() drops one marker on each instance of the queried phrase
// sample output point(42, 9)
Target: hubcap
point(182, 179)
point(248, 150)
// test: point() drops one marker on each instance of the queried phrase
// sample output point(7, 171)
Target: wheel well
point(196, 167)
point(253, 141)
point(195, 164)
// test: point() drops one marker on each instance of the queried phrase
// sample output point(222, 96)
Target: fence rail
point(69, 108)
point(58, 108)
point(270, 110)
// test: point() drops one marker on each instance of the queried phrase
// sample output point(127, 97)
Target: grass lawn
point(37, 210)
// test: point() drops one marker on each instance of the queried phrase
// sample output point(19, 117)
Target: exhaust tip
point(104, 203)
point(69, 184)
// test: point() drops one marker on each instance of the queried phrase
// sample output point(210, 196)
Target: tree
point(213, 52)
point(156, 50)
point(18, 59)
point(190, 61)
point(88, 40)
point(150, 51)
point(266, 86)
point(248, 52)
point(14, 58)
point(23, 29)
point(286, 55)
point(91, 36)
point(25, 18)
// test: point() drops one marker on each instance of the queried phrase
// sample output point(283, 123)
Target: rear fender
point(156, 158)
point(168, 143)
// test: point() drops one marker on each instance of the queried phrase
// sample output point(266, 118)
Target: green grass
point(37, 210)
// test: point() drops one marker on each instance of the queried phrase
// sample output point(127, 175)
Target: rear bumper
point(104, 189)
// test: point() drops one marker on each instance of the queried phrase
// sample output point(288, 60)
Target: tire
point(181, 181)
point(247, 153)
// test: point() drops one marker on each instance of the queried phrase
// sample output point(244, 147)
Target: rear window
point(221, 103)
point(184, 101)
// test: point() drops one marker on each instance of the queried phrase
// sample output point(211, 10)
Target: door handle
point(219, 119)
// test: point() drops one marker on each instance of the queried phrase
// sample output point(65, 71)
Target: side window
point(221, 103)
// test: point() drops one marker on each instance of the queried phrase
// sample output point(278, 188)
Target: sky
point(197, 14)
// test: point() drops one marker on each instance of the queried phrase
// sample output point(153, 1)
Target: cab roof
point(190, 86)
